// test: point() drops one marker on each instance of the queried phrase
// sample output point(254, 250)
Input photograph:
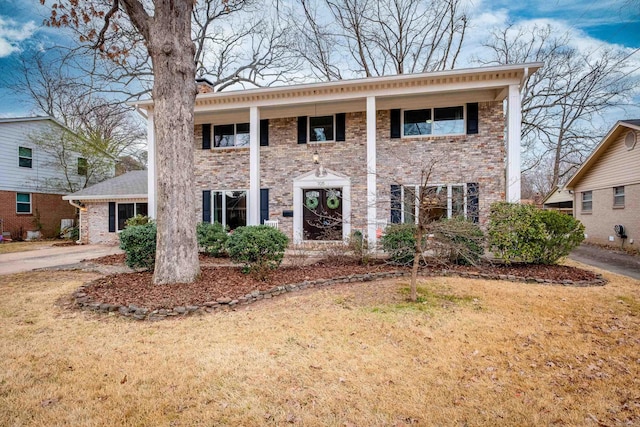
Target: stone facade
point(457, 159)
point(94, 222)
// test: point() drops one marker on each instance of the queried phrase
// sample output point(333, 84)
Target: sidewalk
point(19, 262)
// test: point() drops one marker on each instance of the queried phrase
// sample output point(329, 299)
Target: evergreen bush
point(212, 238)
point(139, 244)
point(259, 248)
point(399, 242)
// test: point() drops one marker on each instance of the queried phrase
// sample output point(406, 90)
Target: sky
point(593, 25)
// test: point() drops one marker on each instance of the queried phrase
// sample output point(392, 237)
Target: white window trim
point(224, 205)
point(23, 157)
point(309, 129)
point(135, 211)
point(449, 187)
point(433, 112)
point(30, 204)
point(235, 134)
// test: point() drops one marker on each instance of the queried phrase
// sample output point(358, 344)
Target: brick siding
point(50, 208)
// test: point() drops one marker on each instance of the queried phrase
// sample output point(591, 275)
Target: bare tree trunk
point(416, 264)
point(174, 92)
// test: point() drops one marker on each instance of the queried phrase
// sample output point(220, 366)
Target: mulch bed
point(229, 282)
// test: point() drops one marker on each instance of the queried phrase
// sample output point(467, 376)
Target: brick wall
point(458, 159)
point(95, 223)
point(50, 208)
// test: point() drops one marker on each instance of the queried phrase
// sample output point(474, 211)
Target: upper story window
point(618, 197)
point(433, 121)
point(587, 201)
point(25, 157)
point(236, 135)
point(23, 203)
point(82, 166)
point(321, 128)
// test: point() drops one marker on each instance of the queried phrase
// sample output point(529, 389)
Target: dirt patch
point(229, 282)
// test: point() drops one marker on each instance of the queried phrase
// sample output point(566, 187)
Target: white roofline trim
point(106, 197)
point(353, 87)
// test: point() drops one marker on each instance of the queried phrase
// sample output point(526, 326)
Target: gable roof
point(131, 185)
point(616, 130)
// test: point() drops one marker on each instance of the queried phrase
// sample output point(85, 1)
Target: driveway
point(607, 259)
point(19, 262)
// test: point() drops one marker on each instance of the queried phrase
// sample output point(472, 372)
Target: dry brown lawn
point(473, 352)
point(10, 247)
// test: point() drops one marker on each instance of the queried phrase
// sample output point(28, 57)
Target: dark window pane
point(457, 201)
point(242, 135)
point(449, 121)
point(142, 209)
point(24, 163)
point(25, 152)
point(223, 136)
point(417, 122)
point(217, 207)
point(82, 166)
point(236, 209)
point(23, 203)
point(23, 197)
point(321, 128)
point(125, 211)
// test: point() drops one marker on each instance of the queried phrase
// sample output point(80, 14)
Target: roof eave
point(105, 197)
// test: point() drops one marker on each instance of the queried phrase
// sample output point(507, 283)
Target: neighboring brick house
point(30, 181)
point(104, 207)
point(350, 153)
point(606, 188)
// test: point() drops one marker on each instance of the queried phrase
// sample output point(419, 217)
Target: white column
point(151, 166)
point(254, 167)
point(514, 123)
point(372, 219)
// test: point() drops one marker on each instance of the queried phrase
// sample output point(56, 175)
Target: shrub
point(563, 234)
point(259, 247)
point(139, 244)
point(459, 241)
point(399, 242)
point(527, 234)
point(212, 238)
point(137, 220)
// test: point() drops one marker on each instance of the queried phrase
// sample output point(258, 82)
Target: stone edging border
point(84, 302)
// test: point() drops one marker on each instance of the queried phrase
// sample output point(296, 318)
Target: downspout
point(80, 209)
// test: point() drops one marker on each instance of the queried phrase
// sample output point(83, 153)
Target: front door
point(322, 213)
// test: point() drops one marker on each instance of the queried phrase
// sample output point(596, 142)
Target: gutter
point(81, 208)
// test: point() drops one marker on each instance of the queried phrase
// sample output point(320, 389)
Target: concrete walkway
point(607, 259)
point(19, 262)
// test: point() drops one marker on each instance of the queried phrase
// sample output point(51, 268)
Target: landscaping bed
point(134, 294)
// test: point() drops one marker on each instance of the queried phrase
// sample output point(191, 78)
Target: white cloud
point(12, 33)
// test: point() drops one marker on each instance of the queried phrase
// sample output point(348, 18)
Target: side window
point(82, 166)
point(433, 121)
point(587, 201)
point(321, 129)
point(25, 157)
point(618, 197)
point(228, 136)
point(125, 211)
point(23, 203)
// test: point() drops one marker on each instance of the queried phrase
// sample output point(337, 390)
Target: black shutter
point(302, 130)
point(395, 123)
point(112, 217)
point(396, 204)
point(264, 132)
point(206, 206)
point(341, 127)
point(206, 136)
point(472, 118)
point(473, 202)
point(264, 205)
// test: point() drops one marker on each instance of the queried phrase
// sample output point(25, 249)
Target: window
point(321, 129)
point(587, 201)
point(230, 208)
point(434, 121)
point(129, 210)
point(618, 197)
point(23, 203)
point(225, 136)
point(82, 166)
point(25, 157)
point(442, 201)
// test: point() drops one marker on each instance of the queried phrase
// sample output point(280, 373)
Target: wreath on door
point(311, 202)
point(333, 202)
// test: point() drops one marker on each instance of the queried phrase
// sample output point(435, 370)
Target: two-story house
point(32, 180)
point(323, 160)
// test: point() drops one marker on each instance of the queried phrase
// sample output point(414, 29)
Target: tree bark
point(174, 92)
